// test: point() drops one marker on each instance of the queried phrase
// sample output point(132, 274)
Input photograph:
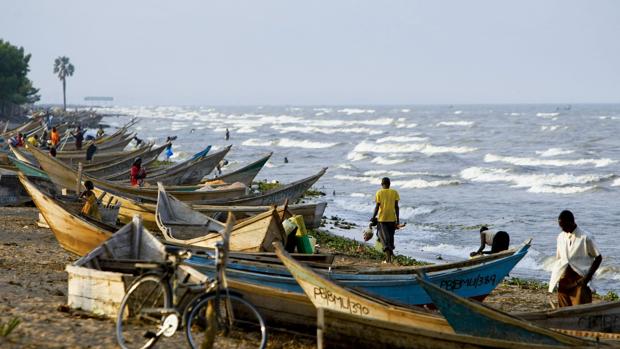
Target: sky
point(316, 52)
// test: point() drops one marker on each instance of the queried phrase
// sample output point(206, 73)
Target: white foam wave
point(547, 115)
point(455, 123)
point(252, 142)
point(550, 128)
point(358, 195)
point(458, 112)
point(554, 152)
point(401, 139)
point(409, 184)
point(345, 166)
point(424, 148)
point(285, 142)
point(420, 183)
point(386, 161)
point(288, 143)
point(394, 173)
point(523, 161)
point(616, 183)
point(352, 111)
point(246, 130)
point(461, 252)
point(536, 183)
point(314, 130)
point(405, 110)
point(355, 156)
point(410, 212)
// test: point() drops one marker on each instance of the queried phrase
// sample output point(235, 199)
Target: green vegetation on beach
point(7, 328)
point(357, 249)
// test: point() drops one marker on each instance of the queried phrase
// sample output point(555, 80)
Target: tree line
point(16, 89)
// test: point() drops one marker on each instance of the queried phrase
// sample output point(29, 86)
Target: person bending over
point(498, 240)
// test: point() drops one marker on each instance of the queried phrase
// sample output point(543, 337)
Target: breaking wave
point(554, 152)
point(424, 148)
point(522, 161)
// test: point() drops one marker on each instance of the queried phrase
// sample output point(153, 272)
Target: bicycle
point(158, 304)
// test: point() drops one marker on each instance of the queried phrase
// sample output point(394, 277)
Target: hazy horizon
point(245, 53)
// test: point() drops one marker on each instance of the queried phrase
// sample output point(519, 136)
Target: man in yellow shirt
point(386, 214)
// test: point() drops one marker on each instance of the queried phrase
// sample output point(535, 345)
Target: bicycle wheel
point(228, 321)
point(138, 319)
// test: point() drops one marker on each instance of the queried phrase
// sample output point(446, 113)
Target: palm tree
point(63, 68)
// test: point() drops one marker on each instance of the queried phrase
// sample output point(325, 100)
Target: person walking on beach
point(386, 215)
point(227, 134)
point(577, 259)
point(498, 240)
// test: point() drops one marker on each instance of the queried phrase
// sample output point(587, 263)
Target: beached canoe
point(244, 174)
point(104, 154)
point(66, 177)
point(426, 329)
point(468, 280)
point(12, 193)
point(189, 172)
point(476, 319)
point(180, 224)
point(276, 196)
point(114, 169)
point(597, 317)
point(74, 232)
point(106, 143)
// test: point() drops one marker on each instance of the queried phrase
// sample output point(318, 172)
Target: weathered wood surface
point(65, 177)
point(599, 317)
point(75, 233)
point(101, 291)
point(425, 330)
point(244, 174)
point(342, 330)
point(476, 319)
point(255, 234)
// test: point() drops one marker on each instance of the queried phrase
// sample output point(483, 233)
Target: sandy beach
point(33, 286)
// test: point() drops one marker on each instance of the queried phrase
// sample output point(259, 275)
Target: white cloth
point(488, 236)
point(576, 249)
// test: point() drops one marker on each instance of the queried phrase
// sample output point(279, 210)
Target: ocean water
point(511, 167)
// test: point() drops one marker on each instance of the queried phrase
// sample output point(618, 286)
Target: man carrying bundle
point(577, 259)
point(386, 214)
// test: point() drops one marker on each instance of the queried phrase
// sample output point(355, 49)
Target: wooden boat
point(476, 319)
point(475, 280)
point(66, 177)
point(426, 329)
point(75, 233)
point(103, 143)
point(245, 174)
point(598, 317)
point(312, 213)
point(12, 193)
point(290, 192)
point(189, 172)
point(119, 168)
point(102, 154)
point(24, 128)
point(255, 234)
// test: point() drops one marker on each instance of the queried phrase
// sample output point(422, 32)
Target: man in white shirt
point(577, 259)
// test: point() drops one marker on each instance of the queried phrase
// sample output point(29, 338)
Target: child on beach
point(90, 208)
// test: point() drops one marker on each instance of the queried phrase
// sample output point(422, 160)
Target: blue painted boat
point(476, 319)
point(467, 279)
